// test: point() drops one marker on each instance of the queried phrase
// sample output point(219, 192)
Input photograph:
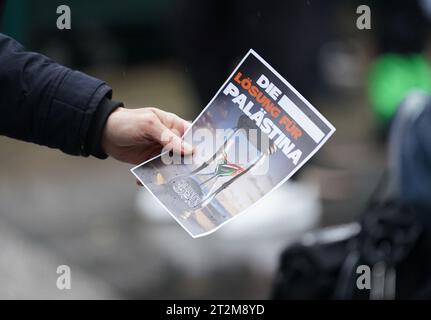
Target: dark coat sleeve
point(46, 103)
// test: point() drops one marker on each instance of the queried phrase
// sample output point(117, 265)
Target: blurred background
point(173, 54)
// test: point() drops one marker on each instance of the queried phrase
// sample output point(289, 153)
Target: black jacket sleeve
point(48, 104)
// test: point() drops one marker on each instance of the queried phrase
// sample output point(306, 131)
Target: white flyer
point(252, 136)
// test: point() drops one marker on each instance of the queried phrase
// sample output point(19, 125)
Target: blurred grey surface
point(56, 209)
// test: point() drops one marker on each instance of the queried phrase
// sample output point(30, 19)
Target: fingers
point(168, 131)
point(168, 139)
point(173, 121)
point(171, 141)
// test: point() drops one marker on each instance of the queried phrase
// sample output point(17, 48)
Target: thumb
point(171, 141)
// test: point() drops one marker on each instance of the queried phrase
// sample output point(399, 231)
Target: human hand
point(136, 135)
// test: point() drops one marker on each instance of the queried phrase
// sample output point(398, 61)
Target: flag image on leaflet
point(253, 135)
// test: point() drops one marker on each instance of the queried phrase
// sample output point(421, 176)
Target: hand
point(136, 135)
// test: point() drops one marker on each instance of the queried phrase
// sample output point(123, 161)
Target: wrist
point(97, 128)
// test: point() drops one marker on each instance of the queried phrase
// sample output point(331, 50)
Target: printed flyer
point(254, 135)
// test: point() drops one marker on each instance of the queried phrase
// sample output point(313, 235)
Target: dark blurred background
point(172, 54)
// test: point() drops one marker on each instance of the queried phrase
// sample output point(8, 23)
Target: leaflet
point(252, 136)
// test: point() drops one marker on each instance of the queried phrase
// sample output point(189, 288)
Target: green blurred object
point(392, 77)
point(14, 19)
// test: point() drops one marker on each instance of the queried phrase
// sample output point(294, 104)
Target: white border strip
point(300, 118)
